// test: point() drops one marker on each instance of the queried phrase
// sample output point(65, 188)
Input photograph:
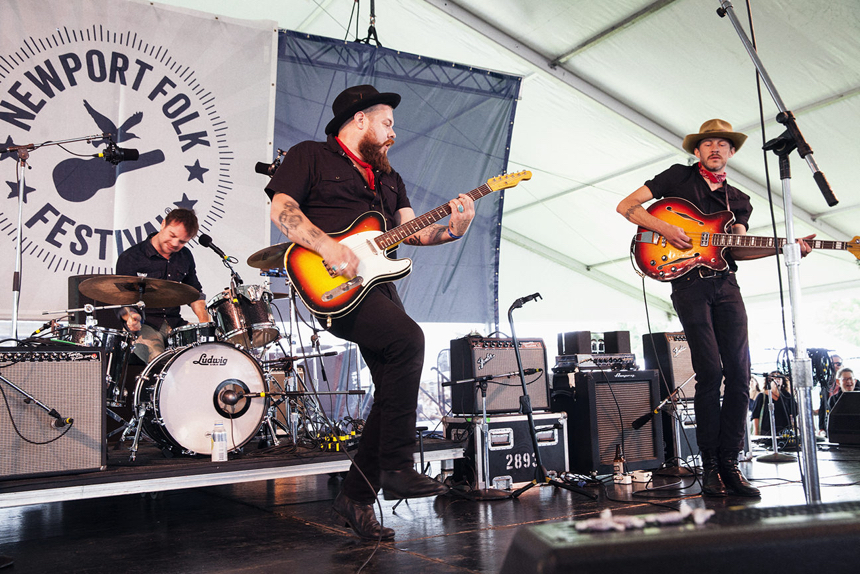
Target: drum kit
point(209, 372)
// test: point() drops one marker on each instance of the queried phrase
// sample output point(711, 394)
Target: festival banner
point(191, 93)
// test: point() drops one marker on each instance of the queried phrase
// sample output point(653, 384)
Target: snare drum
point(117, 350)
point(192, 333)
point(246, 321)
point(183, 391)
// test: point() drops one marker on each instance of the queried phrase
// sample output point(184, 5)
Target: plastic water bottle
point(219, 443)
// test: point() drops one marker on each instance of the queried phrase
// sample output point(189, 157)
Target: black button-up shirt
point(144, 259)
point(330, 190)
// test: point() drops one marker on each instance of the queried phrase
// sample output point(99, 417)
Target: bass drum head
point(189, 399)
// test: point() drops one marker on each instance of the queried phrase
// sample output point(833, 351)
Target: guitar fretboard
point(398, 234)
point(733, 240)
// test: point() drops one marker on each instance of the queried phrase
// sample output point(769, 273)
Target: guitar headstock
point(854, 247)
point(508, 180)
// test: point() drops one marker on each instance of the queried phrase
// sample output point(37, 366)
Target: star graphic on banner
point(8, 154)
point(195, 171)
point(185, 203)
point(13, 185)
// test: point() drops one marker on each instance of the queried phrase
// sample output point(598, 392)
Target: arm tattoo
point(629, 213)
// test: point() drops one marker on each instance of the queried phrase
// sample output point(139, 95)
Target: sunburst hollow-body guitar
point(660, 260)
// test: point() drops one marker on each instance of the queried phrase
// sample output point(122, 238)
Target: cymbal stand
point(23, 152)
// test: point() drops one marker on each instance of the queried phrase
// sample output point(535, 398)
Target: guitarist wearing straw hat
point(321, 188)
point(709, 302)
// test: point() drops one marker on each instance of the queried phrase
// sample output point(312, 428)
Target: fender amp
point(68, 380)
point(473, 357)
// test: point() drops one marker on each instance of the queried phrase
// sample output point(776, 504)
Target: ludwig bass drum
point(186, 390)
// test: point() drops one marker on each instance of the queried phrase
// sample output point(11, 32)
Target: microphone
point(44, 327)
point(114, 154)
point(60, 422)
point(230, 397)
point(206, 241)
point(640, 422)
point(523, 300)
point(270, 168)
point(488, 377)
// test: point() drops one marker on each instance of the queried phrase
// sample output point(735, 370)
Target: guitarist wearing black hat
point(322, 188)
point(706, 295)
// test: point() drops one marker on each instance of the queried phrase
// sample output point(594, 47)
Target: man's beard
point(374, 154)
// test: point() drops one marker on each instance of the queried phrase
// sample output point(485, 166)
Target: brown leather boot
point(711, 483)
point(735, 482)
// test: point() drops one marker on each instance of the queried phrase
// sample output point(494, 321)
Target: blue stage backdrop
point(453, 127)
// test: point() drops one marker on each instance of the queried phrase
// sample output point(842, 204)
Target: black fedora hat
point(353, 100)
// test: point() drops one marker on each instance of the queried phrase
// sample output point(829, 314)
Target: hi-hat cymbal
point(271, 257)
point(126, 290)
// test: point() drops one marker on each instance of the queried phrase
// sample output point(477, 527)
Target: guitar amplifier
point(68, 380)
point(473, 357)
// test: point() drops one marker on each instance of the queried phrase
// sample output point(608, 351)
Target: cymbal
point(271, 257)
point(125, 290)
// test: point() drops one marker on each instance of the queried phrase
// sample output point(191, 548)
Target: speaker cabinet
point(669, 353)
point(473, 357)
point(843, 423)
point(604, 407)
point(68, 381)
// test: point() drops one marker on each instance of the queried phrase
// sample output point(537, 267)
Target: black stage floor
point(284, 525)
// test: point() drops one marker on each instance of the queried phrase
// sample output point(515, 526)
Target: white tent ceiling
point(610, 89)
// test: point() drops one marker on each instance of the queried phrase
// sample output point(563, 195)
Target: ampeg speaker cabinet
point(68, 381)
point(669, 353)
point(473, 357)
point(511, 451)
point(843, 424)
point(604, 408)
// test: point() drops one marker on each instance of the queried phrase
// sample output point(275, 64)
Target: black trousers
point(714, 318)
point(392, 345)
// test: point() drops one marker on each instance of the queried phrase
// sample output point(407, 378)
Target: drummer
point(162, 255)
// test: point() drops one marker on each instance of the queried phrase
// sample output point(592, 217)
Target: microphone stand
point(485, 493)
point(23, 152)
point(776, 456)
point(526, 408)
point(676, 470)
point(801, 365)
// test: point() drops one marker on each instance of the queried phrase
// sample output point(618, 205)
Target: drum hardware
point(126, 290)
point(116, 344)
point(269, 258)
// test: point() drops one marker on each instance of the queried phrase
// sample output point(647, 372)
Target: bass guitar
point(660, 260)
point(333, 297)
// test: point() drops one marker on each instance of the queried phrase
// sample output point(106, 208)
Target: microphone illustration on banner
point(206, 241)
point(114, 154)
point(523, 300)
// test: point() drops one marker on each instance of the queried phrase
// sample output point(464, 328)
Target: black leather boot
point(409, 483)
point(711, 483)
point(360, 518)
point(735, 482)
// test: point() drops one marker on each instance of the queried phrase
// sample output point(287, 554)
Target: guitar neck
point(734, 240)
point(395, 236)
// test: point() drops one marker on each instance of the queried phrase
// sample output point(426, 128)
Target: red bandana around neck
point(368, 170)
point(709, 175)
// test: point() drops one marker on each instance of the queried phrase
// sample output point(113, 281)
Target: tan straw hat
point(714, 129)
